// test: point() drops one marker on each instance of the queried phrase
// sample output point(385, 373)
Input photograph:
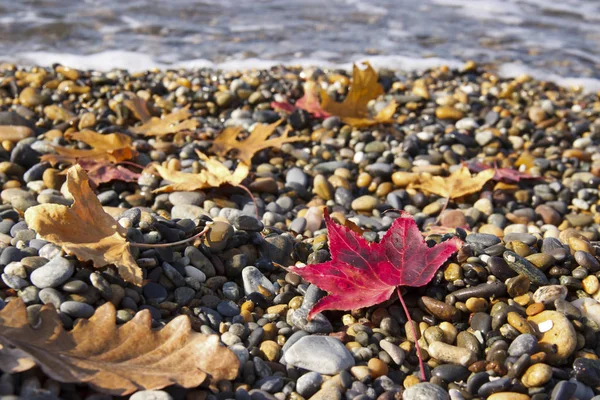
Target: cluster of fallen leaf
point(120, 360)
point(353, 110)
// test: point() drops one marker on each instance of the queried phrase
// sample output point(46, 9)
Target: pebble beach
point(513, 315)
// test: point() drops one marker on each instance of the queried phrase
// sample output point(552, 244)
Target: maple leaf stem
point(244, 188)
point(155, 245)
point(412, 327)
point(442, 210)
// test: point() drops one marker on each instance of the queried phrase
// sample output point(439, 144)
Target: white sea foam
point(136, 62)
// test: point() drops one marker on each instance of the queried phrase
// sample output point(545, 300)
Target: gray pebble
point(151, 395)
point(185, 198)
point(76, 309)
point(308, 384)
point(425, 391)
point(252, 278)
point(54, 273)
point(183, 295)
point(322, 354)
point(51, 296)
point(228, 308)
point(523, 344)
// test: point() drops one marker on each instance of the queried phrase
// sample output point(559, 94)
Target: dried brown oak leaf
point(255, 142)
point(85, 229)
point(353, 110)
point(459, 183)
point(117, 360)
point(213, 175)
point(171, 123)
point(114, 147)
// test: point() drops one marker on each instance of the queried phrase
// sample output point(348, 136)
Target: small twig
point(155, 245)
point(414, 334)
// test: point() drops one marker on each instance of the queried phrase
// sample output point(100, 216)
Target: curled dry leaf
point(506, 175)
point(85, 229)
point(459, 183)
point(138, 107)
point(117, 360)
point(103, 171)
point(114, 147)
point(174, 122)
point(353, 110)
point(310, 101)
point(215, 174)
point(14, 133)
point(256, 141)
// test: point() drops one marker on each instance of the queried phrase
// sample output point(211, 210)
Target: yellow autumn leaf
point(256, 141)
point(171, 123)
point(85, 229)
point(214, 175)
point(459, 183)
point(353, 110)
point(114, 147)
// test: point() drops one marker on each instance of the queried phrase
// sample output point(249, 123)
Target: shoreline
point(138, 62)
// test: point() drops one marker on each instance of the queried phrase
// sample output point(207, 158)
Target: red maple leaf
point(309, 102)
point(362, 274)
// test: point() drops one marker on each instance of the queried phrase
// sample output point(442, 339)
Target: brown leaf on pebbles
point(85, 229)
point(14, 133)
point(353, 110)
point(214, 175)
point(174, 122)
point(114, 147)
point(255, 142)
point(460, 183)
point(138, 107)
point(117, 360)
point(104, 171)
